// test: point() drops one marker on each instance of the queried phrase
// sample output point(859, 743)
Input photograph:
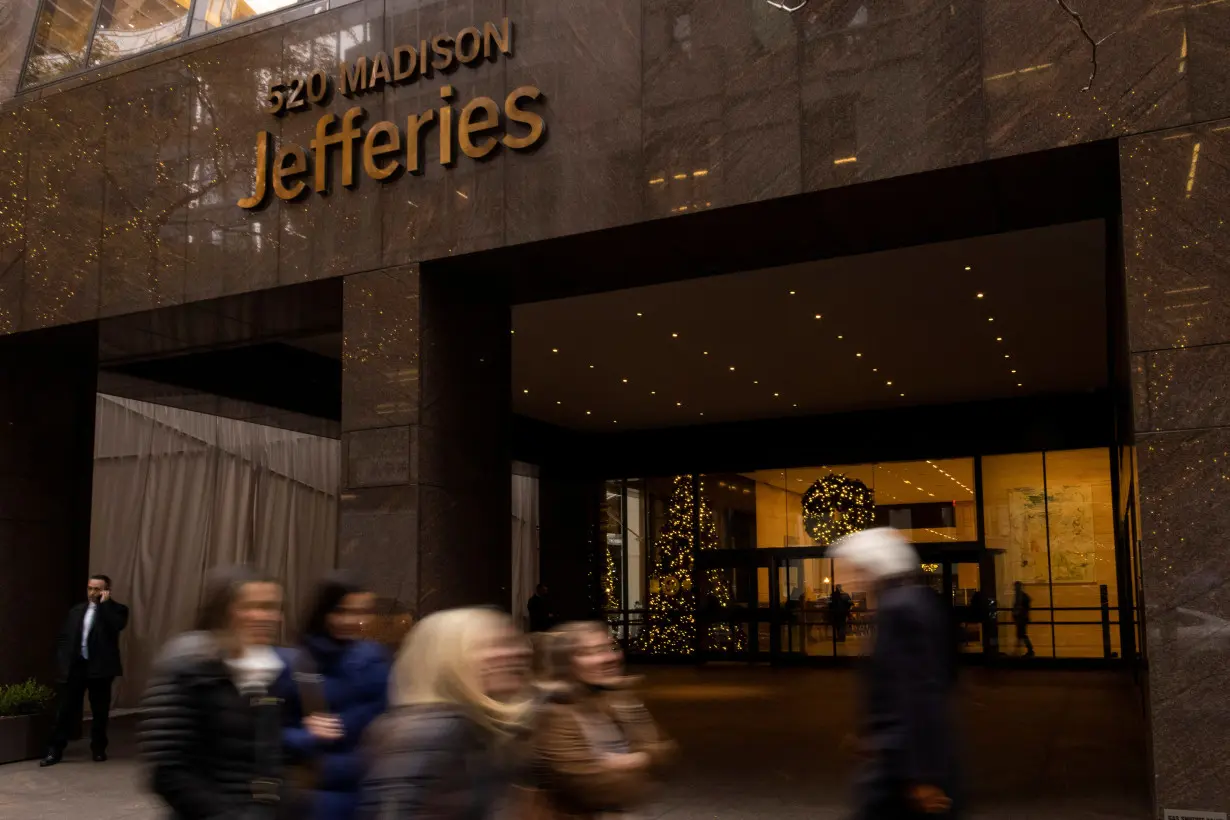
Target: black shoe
point(50, 760)
point(100, 757)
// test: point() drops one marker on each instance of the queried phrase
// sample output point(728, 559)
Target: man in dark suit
point(88, 661)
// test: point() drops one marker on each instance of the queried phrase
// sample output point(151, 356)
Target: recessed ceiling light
point(587, 412)
point(990, 318)
point(706, 352)
point(875, 370)
point(559, 402)
point(1018, 384)
point(755, 381)
point(1006, 356)
point(640, 314)
point(907, 481)
point(653, 392)
point(792, 293)
point(674, 335)
point(794, 405)
point(903, 395)
point(732, 369)
point(525, 390)
point(614, 421)
point(980, 296)
point(1014, 372)
point(967, 267)
point(591, 367)
point(625, 381)
point(702, 412)
point(512, 331)
point(890, 384)
point(999, 338)
point(818, 316)
point(555, 350)
point(841, 337)
point(679, 404)
point(775, 395)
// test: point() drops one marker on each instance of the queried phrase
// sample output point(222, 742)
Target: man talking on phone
point(88, 662)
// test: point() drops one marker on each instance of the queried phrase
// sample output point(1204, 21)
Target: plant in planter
point(24, 720)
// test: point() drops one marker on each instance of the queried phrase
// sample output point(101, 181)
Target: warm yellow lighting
point(828, 580)
point(559, 402)
point(1191, 174)
point(841, 337)
point(859, 355)
point(845, 160)
point(818, 316)
point(525, 391)
point(775, 395)
point(681, 176)
point(555, 350)
point(732, 370)
point(657, 181)
point(967, 267)
point(587, 412)
point(999, 338)
point(679, 404)
point(625, 381)
point(890, 384)
point(1014, 372)
point(640, 314)
point(653, 392)
point(792, 293)
point(591, 367)
point(674, 335)
point(990, 318)
point(980, 296)
point(701, 172)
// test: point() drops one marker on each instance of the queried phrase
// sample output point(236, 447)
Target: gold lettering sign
point(386, 148)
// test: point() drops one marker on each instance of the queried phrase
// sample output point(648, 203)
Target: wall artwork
point(1071, 534)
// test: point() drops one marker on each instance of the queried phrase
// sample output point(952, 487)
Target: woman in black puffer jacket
point(210, 735)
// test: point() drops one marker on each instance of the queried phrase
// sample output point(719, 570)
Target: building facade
point(177, 177)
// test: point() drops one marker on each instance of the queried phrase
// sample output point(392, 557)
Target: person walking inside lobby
point(88, 662)
point(1021, 605)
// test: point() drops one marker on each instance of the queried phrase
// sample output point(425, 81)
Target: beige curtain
point(177, 492)
point(524, 543)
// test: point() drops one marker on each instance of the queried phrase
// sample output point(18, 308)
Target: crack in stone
point(1093, 44)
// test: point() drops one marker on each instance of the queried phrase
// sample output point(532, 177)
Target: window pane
point(612, 531)
point(60, 40)
point(1082, 535)
point(801, 529)
point(858, 606)
point(741, 505)
point(635, 533)
point(128, 27)
point(212, 14)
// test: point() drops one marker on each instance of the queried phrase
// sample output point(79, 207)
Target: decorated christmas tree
point(671, 622)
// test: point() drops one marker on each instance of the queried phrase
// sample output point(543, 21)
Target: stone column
point(425, 513)
point(47, 403)
point(1176, 201)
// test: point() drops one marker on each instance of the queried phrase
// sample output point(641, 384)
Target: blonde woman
point(446, 750)
point(597, 750)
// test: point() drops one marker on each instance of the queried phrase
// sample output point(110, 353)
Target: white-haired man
point(907, 733)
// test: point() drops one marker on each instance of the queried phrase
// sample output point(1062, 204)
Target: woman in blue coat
point(333, 687)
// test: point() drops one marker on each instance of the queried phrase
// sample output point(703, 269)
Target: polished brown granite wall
point(1176, 204)
point(655, 108)
point(47, 395)
point(425, 442)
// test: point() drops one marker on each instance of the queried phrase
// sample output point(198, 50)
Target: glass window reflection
point(212, 14)
point(61, 39)
point(127, 27)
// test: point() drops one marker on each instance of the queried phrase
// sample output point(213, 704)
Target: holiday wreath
point(835, 506)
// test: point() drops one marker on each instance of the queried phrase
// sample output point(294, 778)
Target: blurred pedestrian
point(87, 662)
point(449, 747)
point(335, 685)
point(597, 750)
point(908, 737)
point(210, 734)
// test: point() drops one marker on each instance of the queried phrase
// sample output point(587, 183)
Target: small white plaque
point(1184, 814)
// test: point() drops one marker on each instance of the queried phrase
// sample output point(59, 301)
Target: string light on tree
point(671, 627)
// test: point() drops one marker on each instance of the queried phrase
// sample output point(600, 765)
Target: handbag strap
point(310, 683)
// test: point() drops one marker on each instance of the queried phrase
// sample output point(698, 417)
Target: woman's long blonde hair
point(438, 664)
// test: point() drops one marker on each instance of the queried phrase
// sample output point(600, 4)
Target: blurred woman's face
point(597, 661)
point(345, 622)
point(256, 614)
point(504, 663)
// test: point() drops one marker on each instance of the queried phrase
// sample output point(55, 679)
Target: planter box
point(24, 737)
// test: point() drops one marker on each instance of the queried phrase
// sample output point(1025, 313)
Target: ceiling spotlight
point(1006, 356)
point(755, 381)
point(859, 355)
point(818, 316)
point(990, 318)
point(794, 405)
point(614, 421)
point(640, 314)
point(903, 395)
point(591, 367)
point(841, 337)
point(967, 267)
point(792, 293)
point(525, 390)
point(875, 370)
point(679, 404)
point(775, 395)
point(890, 384)
point(732, 369)
point(706, 352)
point(1018, 384)
point(587, 412)
point(555, 350)
point(1014, 372)
point(653, 392)
point(625, 381)
point(559, 402)
point(999, 338)
point(980, 296)
point(674, 335)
